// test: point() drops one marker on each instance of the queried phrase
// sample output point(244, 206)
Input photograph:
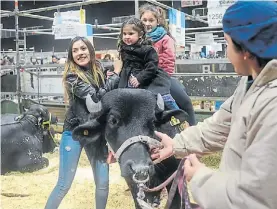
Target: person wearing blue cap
point(245, 126)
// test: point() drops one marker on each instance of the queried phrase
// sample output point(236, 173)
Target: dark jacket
point(142, 62)
point(77, 90)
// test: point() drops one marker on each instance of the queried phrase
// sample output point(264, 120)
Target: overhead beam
point(105, 27)
point(45, 9)
point(187, 37)
point(193, 18)
point(106, 34)
point(215, 38)
point(108, 37)
point(214, 31)
point(112, 25)
point(204, 28)
point(5, 11)
point(36, 16)
point(28, 31)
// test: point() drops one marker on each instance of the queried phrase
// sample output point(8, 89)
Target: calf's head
point(42, 114)
point(124, 113)
point(42, 118)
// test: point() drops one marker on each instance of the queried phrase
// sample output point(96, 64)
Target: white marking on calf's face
point(29, 152)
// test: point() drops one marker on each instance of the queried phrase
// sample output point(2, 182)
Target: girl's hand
point(109, 73)
point(134, 81)
point(117, 66)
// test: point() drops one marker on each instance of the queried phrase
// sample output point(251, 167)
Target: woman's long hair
point(72, 67)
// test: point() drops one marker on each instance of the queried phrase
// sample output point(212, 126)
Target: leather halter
point(135, 139)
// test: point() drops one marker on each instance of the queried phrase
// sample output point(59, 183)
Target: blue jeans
point(70, 152)
point(169, 102)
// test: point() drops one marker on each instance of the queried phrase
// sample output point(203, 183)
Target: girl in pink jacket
point(153, 19)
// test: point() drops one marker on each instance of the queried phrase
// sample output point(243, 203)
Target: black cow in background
point(25, 138)
point(128, 113)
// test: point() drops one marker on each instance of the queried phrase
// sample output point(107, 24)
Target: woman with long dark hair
point(83, 76)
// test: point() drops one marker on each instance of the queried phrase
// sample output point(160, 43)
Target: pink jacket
point(166, 51)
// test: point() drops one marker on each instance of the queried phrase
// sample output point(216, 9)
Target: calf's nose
point(141, 173)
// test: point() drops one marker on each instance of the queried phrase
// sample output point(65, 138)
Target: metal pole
point(38, 73)
point(108, 37)
point(106, 27)
point(37, 16)
point(44, 9)
point(137, 8)
point(213, 31)
point(190, 17)
point(25, 46)
point(18, 83)
point(106, 34)
point(205, 74)
point(187, 37)
point(204, 28)
point(28, 31)
point(112, 24)
point(215, 38)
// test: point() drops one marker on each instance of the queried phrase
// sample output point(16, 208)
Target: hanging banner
point(71, 30)
point(191, 3)
point(177, 26)
point(220, 3)
point(78, 16)
point(67, 25)
point(203, 39)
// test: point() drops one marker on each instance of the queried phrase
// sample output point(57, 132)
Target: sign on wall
point(216, 10)
point(217, 47)
point(67, 25)
point(177, 26)
point(191, 3)
point(202, 39)
point(215, 16)
point(71, 30)
point(78, 16)
point(52, 85)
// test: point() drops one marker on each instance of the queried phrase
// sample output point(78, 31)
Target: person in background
point(83, 76)
point(55, 59)
point(3, 61)
point(107, 57)
point(245, 126)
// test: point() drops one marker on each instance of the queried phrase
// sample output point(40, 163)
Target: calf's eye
point(112, 120)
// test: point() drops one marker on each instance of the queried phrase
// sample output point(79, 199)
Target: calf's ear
point(172, 116)
point(87, 133)
point(160, 103)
